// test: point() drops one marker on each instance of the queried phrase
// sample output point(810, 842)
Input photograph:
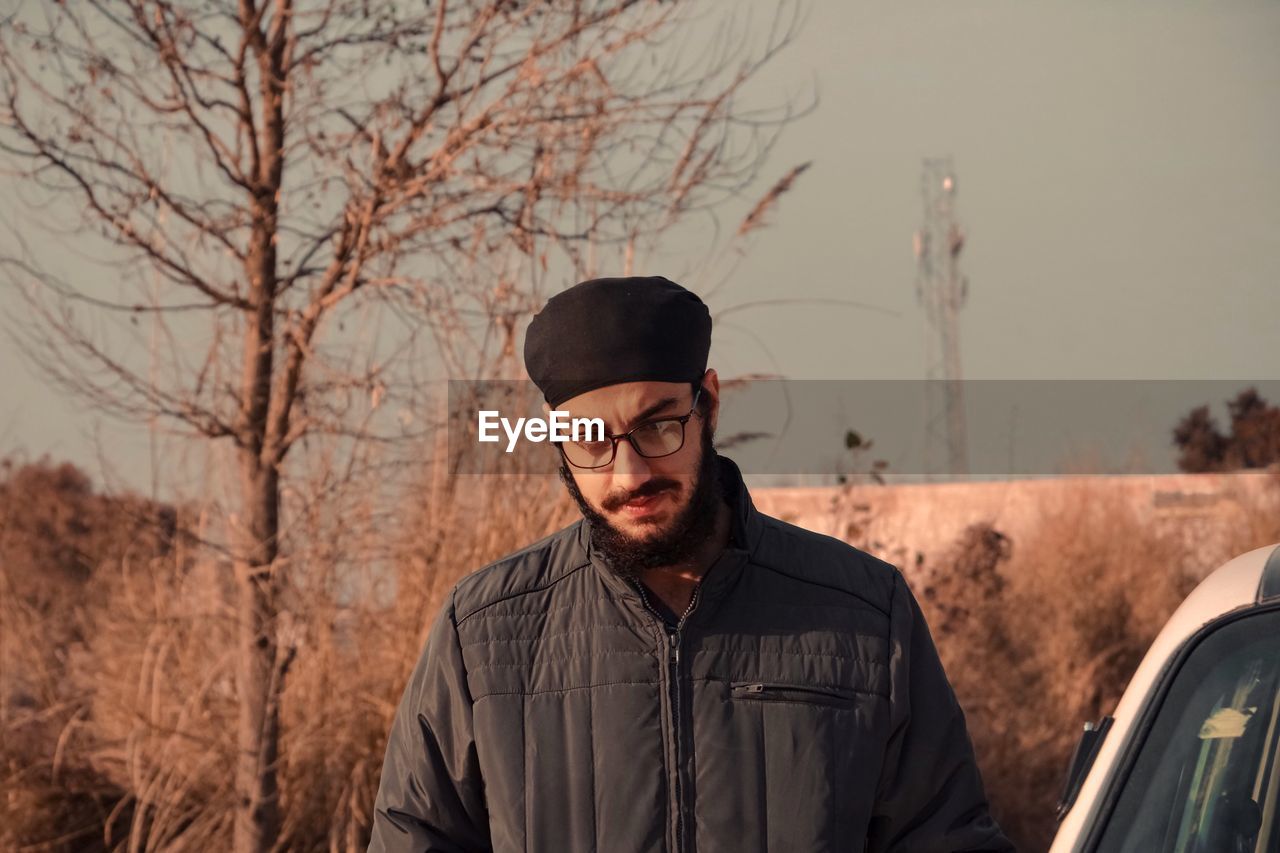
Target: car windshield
point(1207, 777)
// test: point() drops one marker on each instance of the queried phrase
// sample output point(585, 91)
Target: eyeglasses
point(651, 439)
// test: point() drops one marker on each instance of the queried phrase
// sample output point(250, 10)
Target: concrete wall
point(906, 524)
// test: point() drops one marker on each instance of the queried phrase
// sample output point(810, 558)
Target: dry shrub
point(55, 532)
point(117, 703)
point(157, 672)
point(1041, 635)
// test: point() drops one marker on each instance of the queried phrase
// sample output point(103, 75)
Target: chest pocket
point(782, 764)
point(803, 694)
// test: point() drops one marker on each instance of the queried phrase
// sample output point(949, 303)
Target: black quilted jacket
point(799, 706)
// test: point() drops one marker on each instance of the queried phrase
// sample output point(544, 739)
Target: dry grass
point(117, 711)
point(117, 705)
point(1041, 635)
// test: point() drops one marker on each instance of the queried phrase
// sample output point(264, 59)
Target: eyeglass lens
point(651, 440)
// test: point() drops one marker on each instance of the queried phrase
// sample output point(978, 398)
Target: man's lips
point(644, 505)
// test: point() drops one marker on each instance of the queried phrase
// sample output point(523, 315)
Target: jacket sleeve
point(930, 797)
point(431, 797)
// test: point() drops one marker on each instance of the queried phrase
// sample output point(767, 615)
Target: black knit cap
point(611, 330)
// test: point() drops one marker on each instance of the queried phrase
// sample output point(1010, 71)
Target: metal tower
point(942, 290)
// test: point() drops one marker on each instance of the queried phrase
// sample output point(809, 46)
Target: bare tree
point(254, 174)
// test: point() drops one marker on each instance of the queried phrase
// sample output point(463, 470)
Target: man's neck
point(675, 584)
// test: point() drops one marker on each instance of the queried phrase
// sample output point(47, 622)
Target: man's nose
point(630, 469)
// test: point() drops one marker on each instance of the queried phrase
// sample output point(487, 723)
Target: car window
point(1207, 776)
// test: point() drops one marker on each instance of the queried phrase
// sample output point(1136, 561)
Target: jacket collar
point(745, 528)
point(747, 523)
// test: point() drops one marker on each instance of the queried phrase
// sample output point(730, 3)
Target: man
point(677, 671)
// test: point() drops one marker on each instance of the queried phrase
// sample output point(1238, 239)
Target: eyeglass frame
point(614, 439)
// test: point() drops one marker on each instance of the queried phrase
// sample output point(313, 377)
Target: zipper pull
point(674, 637)
point(753, 688)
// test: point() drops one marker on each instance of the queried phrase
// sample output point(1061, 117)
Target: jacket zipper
point(673, 660)
point(801, 692)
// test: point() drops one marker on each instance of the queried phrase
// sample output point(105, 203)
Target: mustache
point(646, 489)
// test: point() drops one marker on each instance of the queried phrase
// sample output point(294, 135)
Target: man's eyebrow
point(649, 412)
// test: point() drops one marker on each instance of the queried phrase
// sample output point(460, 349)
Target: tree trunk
point(259, 667)
point(258, 670)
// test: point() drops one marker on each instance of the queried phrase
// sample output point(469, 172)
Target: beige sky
point(1119, 179)
point(1118, 169)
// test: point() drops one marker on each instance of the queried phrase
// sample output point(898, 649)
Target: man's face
point(649, 512)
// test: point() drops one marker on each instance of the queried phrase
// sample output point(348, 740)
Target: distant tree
point(1253, 441)
point(1201, 447)
point(1255, 432)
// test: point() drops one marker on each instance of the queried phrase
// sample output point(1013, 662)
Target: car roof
point(1242, 582)
point(1247, 581)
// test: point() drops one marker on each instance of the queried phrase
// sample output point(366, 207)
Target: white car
point(1190, 763)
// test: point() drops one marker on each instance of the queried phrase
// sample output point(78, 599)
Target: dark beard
point(688, 531)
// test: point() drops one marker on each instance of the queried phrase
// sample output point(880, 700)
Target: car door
point(1204, 777)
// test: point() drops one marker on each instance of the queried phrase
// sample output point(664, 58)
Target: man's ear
point(546, 409)
point(711, 389)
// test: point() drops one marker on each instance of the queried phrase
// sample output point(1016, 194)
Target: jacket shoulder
point(531, 569)
point(808, 557)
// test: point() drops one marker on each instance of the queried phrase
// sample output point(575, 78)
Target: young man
point(677, 671)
